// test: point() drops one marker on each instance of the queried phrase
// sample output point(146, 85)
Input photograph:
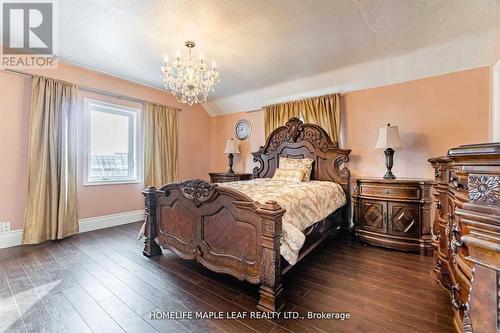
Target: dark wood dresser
point(467, 234)
point(394, 213)
point(222, 177)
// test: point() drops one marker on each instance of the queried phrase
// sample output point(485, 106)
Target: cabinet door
point(404, 219)
point(373, 215)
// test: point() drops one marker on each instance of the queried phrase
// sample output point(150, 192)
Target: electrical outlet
point(5, 226)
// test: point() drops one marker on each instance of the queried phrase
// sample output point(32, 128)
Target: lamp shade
point(388, 137)
point(231, 147)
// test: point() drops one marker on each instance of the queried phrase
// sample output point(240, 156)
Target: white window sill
point(111, 182)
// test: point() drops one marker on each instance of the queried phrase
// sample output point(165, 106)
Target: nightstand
point(394, 213)
point(222, 177)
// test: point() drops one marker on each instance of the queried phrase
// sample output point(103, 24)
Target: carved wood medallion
point(197, 190)
point(484, 189)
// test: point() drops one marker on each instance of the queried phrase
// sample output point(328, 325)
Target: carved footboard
point(220, 228)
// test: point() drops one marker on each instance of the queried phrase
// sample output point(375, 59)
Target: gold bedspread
point(305, 202)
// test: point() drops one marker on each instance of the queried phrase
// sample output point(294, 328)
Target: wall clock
point(243, 129)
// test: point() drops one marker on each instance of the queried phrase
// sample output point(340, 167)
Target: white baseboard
point(14, 237)
point(10, 238)
point(107, 221)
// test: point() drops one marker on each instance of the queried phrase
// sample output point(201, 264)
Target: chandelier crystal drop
point(189, 80)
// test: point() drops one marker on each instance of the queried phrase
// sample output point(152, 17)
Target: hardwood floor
point(99, 281)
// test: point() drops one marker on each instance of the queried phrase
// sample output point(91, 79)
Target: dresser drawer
point(390, 191)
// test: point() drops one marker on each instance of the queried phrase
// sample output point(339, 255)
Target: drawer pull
point(387, 191)
point(456, 183)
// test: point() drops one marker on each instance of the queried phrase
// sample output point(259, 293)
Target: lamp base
point(389, 175)
point(230, 158)
point(389, 153)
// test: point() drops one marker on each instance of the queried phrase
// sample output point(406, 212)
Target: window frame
point(133, 144)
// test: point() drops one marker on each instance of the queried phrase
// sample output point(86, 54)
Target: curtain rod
point(89, 89)
point(252, 111)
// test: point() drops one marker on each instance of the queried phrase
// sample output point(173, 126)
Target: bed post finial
point(271, 290)
point(150, 246)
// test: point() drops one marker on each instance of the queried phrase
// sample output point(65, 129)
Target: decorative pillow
point(289, 175)
point(302, 164)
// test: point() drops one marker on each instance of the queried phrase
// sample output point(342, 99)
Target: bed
point(225, 230)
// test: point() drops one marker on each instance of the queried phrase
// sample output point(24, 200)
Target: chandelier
point(189, 80)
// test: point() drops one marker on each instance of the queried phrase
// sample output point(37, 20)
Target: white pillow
point(304, 164)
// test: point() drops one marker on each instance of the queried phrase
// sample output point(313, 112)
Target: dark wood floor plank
point(93, 314)
point(86, 266)
point(169, 296)
point(384, 278)
point(134, 300)
point(88, 282)
point(100, 281)
point(184, 279)
point(157, 295)
point(200, 293)
point(128, 320)
point(88, 309)
point(57, 305)
point(10, 318)
point(324, 284)
point(35, 314)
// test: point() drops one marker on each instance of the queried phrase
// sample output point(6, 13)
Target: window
point(110, 143)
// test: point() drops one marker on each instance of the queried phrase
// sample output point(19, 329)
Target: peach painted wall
point(222, 128)
point(15, 95)
point(433, 115)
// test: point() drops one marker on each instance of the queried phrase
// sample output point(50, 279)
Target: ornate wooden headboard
point(299, 140)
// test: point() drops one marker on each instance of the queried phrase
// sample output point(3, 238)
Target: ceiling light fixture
point(189, 80)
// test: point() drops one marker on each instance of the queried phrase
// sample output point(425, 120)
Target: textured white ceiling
point(262, 43)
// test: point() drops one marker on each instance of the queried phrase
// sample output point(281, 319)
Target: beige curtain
point(277, 115)
point(323, 111)
point(160, 144)
point(51, 204)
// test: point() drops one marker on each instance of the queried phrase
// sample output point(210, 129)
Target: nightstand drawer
point(392, 213)
point(222, 179)
point(390, 191)
point(228, 177)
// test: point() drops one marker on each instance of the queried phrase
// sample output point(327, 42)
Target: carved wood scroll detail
point(304, 140)
point(268, 268)
point(197, 190)
point(467, 323)
point(455, 299)
point(484, 189)
point(320, 141)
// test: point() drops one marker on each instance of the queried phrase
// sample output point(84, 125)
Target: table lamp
point(388, 138)
point(231, 148)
